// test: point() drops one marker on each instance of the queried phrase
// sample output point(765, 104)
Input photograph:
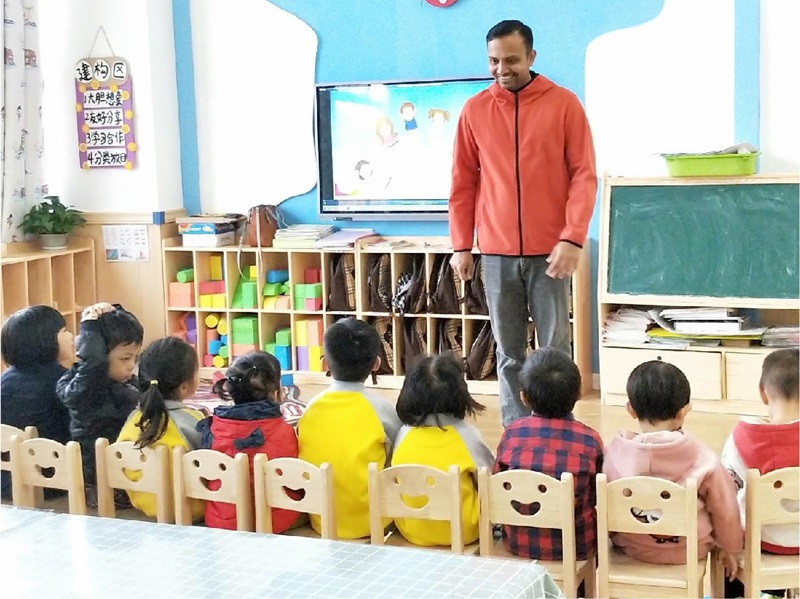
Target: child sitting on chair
point(38, 350)
point(552, 442)
point(769, 444)
point(168, 374)
point(348, 425)
point(100, 389)
point(432, 406)
point(253, 424)
point(658, 397)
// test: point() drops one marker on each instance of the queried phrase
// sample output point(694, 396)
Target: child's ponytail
point(255, 376)
point(164, 366)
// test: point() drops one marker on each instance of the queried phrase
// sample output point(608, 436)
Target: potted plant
point(52, 221)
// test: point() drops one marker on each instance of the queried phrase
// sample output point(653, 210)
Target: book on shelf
point(231, 217)
point(207, 240)
point(699, 313)
point(710, 327)
point(345, 238)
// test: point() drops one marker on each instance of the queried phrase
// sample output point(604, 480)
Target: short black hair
point(435, 385)
point(658, 391)
point(30, 336)
point(551, 382)
point(255, 376)
point(779, 373)
point(510, 27)
point(351, 347)
point(120, 327)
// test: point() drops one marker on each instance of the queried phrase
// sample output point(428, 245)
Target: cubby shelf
point(64, 279)
point(295, 261)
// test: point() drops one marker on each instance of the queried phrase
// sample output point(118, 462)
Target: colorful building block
point(244, 329)
point(313, 290)
point(218, 300)
point(283, 336)
point(299, 290)
point(299, 303)
point(224, 350)
point(222, 326)
point(223, 338)
point(219, 362)
point(215, 268)
point(252, 272)
point(316, 331)
point(269, 348)
point(284, 355)
point(206, 301)
point(208, 360)
point(312, 275)
point(191, 337)
point(185, 275)
point(285, 289)
point(270, 303)
point(272, 288)
point(181, 294)
point(302, 358)
point(301, 332)
point(277, 276)
point(287, 380)
point(313, 303)
point(314, 358)
point(213, 347)
point(211, 287)
point(212, 320)
point(240, 349)
point(283, 302)
point(250, 294)
point(212, 335)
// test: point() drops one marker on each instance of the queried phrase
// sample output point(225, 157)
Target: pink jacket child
point(658, 397)
point(676, 456)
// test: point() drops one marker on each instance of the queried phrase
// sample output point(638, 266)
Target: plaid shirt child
point(553, 446)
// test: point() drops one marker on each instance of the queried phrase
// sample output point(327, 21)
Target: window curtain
point(21, 129)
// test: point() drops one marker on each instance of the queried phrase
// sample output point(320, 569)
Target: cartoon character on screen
point(408, 111)
point(438, 118)
point(368, 182)
point(384, 129)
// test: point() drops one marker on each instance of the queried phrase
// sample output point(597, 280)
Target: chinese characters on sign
point(104, 105)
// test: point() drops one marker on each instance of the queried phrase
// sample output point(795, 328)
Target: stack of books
point(784, 336)
point(627, 325)
point(301, 236)
point(209, 230)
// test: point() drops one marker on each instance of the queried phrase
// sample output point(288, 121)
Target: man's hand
point(563, 260)
point(731, 564)
point(94, 311)
point(462, 263)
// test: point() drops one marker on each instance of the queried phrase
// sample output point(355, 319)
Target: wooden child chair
point(622, 576)
point(44, 463)
point(191, 474)
point(770, 499)
point(274, 477)
point(123, 466)
point(442, 489)
point(6, 432)
point(556, 510)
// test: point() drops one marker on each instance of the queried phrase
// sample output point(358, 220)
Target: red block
point(313, 303)
point(211, 287)
point(312, 275)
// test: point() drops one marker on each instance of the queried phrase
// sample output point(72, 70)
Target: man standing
point(524, 179)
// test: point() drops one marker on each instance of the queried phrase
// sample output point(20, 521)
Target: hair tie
point(154, 382)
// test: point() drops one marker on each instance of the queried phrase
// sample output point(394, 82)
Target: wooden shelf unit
point(64, 279)
point(177, 257)
point(724, 378)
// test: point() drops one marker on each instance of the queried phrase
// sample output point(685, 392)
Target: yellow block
point(206, 301)
point(222, 327)
point(219, 362)
point(212, 320)
point(218, 300)
point(253, 272)
point(315, 358)
point(270, 301)
point(215, 268)
point(301, 332)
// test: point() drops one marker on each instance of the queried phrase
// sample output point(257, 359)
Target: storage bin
point(711, 165)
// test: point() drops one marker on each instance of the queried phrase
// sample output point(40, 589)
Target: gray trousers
point(517, 288)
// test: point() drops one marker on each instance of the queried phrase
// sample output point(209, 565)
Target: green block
point(285, 289)
point(249, 294)
point(185, 275)
point(272, 288)
point(244, 329)
point(270, 348)
point(313, 290)
point(283, 336)
point(299, 289)
point(238, 297)
point(299, 303)
point(223, 351)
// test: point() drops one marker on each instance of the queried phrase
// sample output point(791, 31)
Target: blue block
point(284, 355)
point(287, 380)
point(214, 346)
point(277, 276)
point(223, 339)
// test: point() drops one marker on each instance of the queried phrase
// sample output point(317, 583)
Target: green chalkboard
point(736, 240)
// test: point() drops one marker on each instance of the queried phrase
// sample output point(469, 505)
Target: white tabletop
point(84, 556)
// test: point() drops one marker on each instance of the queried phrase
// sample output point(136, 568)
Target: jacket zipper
point(516, 164)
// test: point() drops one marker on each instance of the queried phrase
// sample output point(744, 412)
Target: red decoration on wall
point(441, 3)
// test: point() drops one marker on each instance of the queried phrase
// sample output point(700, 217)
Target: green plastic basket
point(711, 165)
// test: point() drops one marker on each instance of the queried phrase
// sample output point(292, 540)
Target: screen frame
point(324, 167)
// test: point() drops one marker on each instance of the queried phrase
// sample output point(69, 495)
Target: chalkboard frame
point(660, 299)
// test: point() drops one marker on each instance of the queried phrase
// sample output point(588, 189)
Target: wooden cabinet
point(64, 279)
point(680, 234)
point(299, 262)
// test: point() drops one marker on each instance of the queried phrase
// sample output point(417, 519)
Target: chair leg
point(717, 574)
point(590, 583)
